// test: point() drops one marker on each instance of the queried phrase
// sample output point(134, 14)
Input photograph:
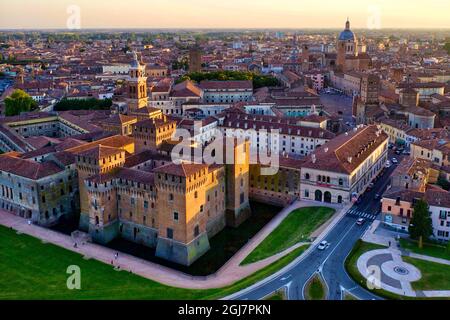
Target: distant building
point(195, 59)
point(348, 56)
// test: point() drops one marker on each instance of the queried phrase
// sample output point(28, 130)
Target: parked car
point(360, 221)
point(399, 152)
point(377, 197)
point(394, 160)
point(323, 245)
point(388, 164)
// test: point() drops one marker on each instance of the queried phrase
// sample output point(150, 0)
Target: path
point(386, 269)
point(227, 275)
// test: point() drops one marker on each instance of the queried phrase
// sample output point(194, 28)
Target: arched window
point(307, 176)
point(171, 197)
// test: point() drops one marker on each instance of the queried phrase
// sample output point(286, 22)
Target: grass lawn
point(297, 227)
point(349, 297)
point(278, 295)
point(315, 289)
point(435, 276)
point(33, 270)
point(358, 250)
point(429, 249)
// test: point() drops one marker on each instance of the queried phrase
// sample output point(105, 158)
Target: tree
point(19, 101)
point(421, 227)
point(83, 104)
point(443, 183)
point(447, 47)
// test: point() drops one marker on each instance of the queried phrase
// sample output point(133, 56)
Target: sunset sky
point(226, 14)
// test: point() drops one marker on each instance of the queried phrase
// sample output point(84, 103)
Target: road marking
point(340, 241)
point(285, 278)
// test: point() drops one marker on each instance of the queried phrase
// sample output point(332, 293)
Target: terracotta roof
point(346, 152)
point(181, 170)
point(27, 168)
point(230, 85)
point(100, 152)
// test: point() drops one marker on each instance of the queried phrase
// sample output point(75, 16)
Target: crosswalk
point(354, 212)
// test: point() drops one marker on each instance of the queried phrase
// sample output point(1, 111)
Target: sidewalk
point(227, 275)
point(391, 257)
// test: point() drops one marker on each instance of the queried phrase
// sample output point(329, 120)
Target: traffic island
point(277, 295)
point(315, 289)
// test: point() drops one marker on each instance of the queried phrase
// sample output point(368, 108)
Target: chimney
point(326, 149)
point(349, 159)
point(313, 158)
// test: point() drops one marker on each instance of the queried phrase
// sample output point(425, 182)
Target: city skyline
point(263, 14)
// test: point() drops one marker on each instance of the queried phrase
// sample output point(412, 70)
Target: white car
point(388, 164)
point(323, 245)
point(394, 160)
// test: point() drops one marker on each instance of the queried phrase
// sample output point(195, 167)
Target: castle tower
point(93, 162)
point(137, 86)
point(103, 215)
point(237, 178)
point(182, 234)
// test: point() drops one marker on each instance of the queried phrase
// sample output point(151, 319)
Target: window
point(389, 208)
point(146, 204)
point(195, 194)
point(171, 197)
point(196, 231)
point(169, 233)
point(341, 182)
point(307, 176)
point(175, 216)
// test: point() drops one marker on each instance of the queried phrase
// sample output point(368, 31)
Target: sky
point(296, 14)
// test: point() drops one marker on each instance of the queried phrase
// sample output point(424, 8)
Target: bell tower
point(137, 86)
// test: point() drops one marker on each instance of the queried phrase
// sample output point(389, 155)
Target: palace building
point(341, 170)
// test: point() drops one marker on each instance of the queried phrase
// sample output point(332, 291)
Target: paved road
point(331, 261)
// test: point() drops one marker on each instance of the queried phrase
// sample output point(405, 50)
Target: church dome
point(347, 34)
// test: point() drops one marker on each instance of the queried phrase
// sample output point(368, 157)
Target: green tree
point(421, 227)
point(443, 183)
point(447, 47)
point(19, 101)
point(83, 104)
